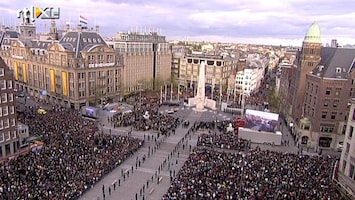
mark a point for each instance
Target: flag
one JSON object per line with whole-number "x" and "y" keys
{"x": 83, "y": 20}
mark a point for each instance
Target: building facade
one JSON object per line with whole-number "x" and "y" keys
{"x": 218, "y": 70}
{"x": 75, "y": 70}
{"x": 146, "y": 60}
{"x": 249, "y": 80}
{"x": 345, "y": 174}
{"x": 9, "y": 139}
{"x": 315, "y": 92}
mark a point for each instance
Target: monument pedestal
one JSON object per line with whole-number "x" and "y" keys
{"x": 200, "y": 100}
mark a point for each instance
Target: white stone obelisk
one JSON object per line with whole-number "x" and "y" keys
{"x": 200, "y": 96}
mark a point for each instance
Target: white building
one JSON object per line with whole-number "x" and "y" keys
{"x": 345, "y": 178}
{"x": 249, "y": 80}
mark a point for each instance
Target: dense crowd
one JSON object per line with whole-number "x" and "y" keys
{"x": 228, "y": 140}
{"x": 146, "y": 116}
{"x": 73, "y": 157}
{"x": 255, "y": 174}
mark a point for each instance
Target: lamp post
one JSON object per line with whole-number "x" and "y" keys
{"x": 140, "y": 92}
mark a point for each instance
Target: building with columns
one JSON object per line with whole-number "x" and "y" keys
{"x": 315, "y": 92}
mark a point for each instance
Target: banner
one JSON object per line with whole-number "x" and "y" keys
{"x": 24, "y": 72}
{"x": 65, "y": 83}
{"x": 52, "y": 77}
{"x": 16, "y": 70}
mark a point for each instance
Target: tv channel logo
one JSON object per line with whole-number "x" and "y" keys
{"x": 31, "y": 14}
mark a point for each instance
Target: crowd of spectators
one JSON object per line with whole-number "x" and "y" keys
{"x": 146, "y": 116}
{"x": 255, "y": 174}
{"x": 74, "y": 156}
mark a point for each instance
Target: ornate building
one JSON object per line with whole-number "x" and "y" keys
{"x": 315, "y": 92}
{"x": 76, "y": 69}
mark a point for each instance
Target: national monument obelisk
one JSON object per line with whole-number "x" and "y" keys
{"x": 200, "y": 97}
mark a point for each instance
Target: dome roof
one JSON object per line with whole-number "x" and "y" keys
{"x": 313, "y": 34}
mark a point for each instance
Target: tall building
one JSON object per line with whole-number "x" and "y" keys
{"x": 9, "y": 140}
{"x": 74, "y": 70}
{"x": 315, "y": 92}
{"x": 146, "y": 60}
{"x": 345, "y": 173}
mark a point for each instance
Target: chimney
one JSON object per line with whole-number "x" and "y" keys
{"x": 97, "y": 28}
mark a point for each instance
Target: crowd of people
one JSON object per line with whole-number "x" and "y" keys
{"x": 228, "y": 140}
{"x": 255, "y": 174}
{"x": 72, "y": 157}
{"x": 146, "y": 116}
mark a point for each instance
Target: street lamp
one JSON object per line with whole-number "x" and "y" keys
{"x": 140, "y": 92}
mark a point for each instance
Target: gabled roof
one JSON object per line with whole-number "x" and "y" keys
{"x": 6, "y": 35}
{"x": 335, "y": 63}
{"x": 78, "y": 41}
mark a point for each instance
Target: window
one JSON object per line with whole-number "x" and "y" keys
{"x": 9, "y": 84}
{"x": 1, "y": 137}
{"x": 6, "y": 123}
{"x": 12, "y": 110}
{"x": 328, "y": 90}
{"x": 347, "y": 148}
{"x": 333, "y": 116}
{"x": 1, "y": 124}
{"x": 5, "y": 111}
{"x": 7, "y": 136}
{"x": 351, "y": 171}
{"x": 2, "y": 72}
{"x": 324, "y": 114}
{"x": 14, "y": 135}
{"x": 344, "y": 165}
{"x": 13, "y": 122}
{"x": 11, "y": 97}
{"x": 4, "y": 97}
{"x": 336, "y": 103}
{"x": 351, "y": 129}
{"x": 3, "y": 84}
{"x": 326, "y": 102}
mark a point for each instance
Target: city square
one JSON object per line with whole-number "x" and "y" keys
{"x": 233, "y": 100}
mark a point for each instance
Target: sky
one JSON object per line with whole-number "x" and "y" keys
{"x": 276, "y": 22}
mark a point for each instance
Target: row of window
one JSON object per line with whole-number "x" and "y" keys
{"x": 6, "y": 97}
{"x": 4, "y": 111}
{"x": 6, "y": 123}
{"x": 7, "y": 136}
{"x": 332, "y": 116}
{"x": 3, "y": 84}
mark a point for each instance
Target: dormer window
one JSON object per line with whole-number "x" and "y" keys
{"x": 338, "y": 70}
{"x": 84, "y": 39}
{"x": 94, "y": 40}
{"x": 89, "y": 40}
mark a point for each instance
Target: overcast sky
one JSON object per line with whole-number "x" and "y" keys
{"x": 240, "y": 21}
